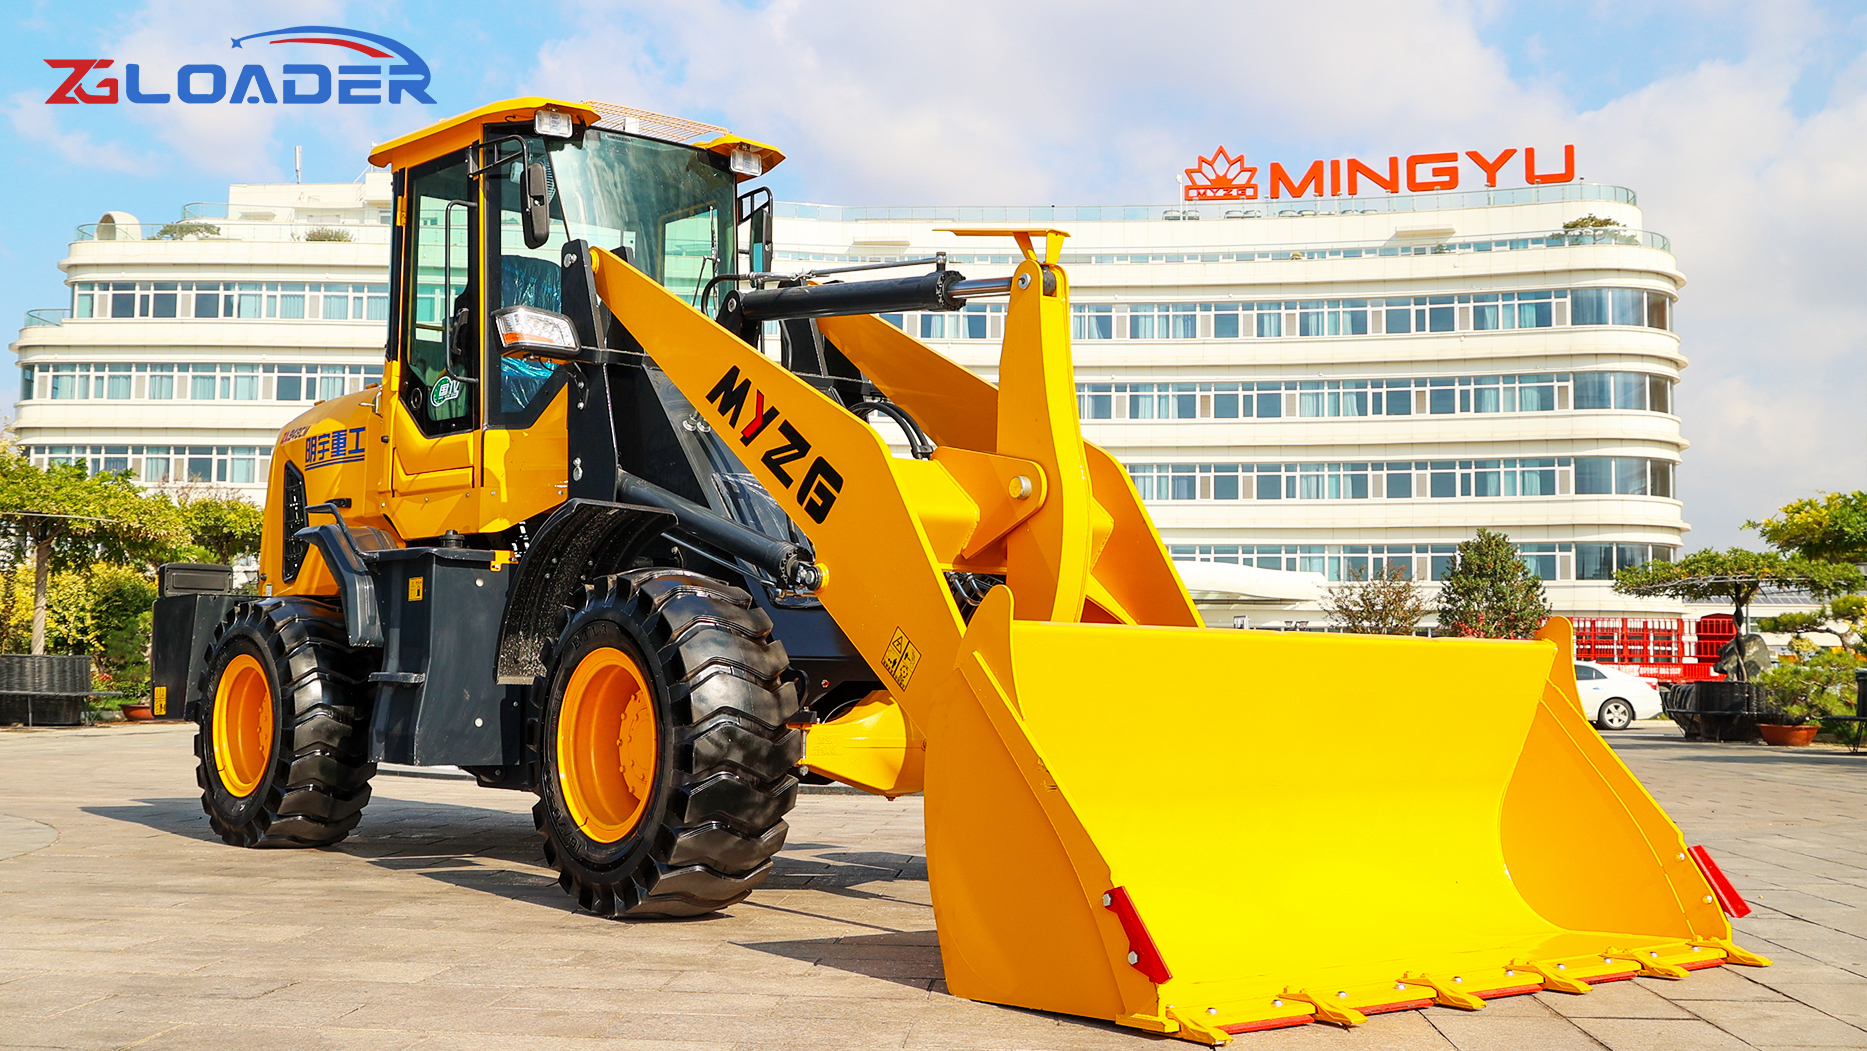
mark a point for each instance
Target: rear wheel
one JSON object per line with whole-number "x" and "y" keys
{"x": 1615, "y": 714}
{"x": 668, "y": 767}
{"x": 282, "y": 727}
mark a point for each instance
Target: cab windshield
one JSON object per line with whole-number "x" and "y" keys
{"x": 671, "y": 206}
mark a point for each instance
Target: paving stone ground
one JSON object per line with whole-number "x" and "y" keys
{"x": 124, "y": 923}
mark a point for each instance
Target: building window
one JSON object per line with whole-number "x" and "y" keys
{"x": 162, "y": 464}
{"x": 199, "y": 381}
{"x": 1533, "y": 392}
{"x": 1386, "y": 480}
{"x": 1623, "y": 476}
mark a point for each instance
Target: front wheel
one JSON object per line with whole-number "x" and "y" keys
{"x": 1615, "y": 714}
{"x": 668, "y": 767}
{"x": 282, "y": 749}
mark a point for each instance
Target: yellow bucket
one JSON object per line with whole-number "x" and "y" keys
{"x": 1171, "y": 844}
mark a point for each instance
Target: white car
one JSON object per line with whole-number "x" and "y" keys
{"x": 1613, "y": 699}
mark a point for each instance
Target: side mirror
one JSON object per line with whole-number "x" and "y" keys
{"x": 536, "y": 208}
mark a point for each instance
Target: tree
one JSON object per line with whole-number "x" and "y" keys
{"x": 1389, "y": 604}
{"x": 1737, "y": 576}
{"x": 66, "y": 517}
{"x": 1844, "y": 617}
{"x": 1490, "y": 593}
{"x": 1589, "y": 222}
{"x": 226, "y": 525}
{"x": 1832, "y": 529}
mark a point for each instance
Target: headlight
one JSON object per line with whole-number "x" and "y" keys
{"x": 552, "y": 123}
{"x": 533, "y": 330}
{"x": 746, "y": 162}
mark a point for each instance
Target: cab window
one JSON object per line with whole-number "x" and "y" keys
{"x": 438, "y": 388}
{"x": 521, "y": 386}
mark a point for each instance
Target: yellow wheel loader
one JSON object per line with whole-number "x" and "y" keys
{"x": 589, "y": 541}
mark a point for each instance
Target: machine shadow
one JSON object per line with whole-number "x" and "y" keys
{"x": 910, "y": 958}
{"x": 497, "y": 852}
{"x": 177, "y": 815}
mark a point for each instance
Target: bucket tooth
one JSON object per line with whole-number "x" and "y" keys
{"x": 1330, "y": 1007}
{"x": 1732, "y": 954}
{"x": 1194, "y": 1027}
{"x": 1447, "y": 992}
{"x": 1555, "y": 975}
{"x": 1650, "y": 963}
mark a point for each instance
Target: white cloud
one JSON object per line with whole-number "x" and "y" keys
{"x": 1766, "y": 216}
{"x": 988, "y": 102}
{"x": 35, "y": 122}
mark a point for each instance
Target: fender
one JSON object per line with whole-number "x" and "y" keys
{"x": 581, "y": 540}
{"x": 348, "y": 552}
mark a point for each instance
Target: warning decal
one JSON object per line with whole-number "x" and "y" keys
{"x": 901, "y": 658}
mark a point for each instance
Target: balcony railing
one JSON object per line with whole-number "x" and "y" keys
{"x": 46, "y": 317}
{"x": 1258, "y": 209}
{"x": 188, "y": 230}
{"x": 1506, "y": 242}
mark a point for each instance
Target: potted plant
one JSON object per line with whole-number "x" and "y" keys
{"x": 1817, "y": 683}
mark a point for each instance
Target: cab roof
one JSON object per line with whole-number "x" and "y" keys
{"x": 458, "y": 132}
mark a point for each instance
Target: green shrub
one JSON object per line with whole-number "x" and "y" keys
{"x": 1803, "y": 691}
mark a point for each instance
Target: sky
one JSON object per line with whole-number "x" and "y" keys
{"x": 1741, "y": 125}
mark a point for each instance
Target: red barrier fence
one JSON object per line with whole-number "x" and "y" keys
{"x": 1665, "y": 648}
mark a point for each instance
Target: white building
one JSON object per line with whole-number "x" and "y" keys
{"x": 1330, "y": 386}
{"x": 1327, "y": 389}
{"x": 188, "y": 344}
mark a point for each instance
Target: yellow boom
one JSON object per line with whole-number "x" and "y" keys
{"x": 1116, "y": 824}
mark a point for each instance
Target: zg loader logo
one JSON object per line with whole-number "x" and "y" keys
{"x": 817, "y": 493}
{"x": 298, "y": 83}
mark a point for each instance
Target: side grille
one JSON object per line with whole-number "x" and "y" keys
{"x": 295, "y": 519}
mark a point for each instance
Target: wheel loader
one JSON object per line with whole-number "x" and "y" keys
{"x": 621, "y": 528}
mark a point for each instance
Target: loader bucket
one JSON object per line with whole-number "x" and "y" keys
{"x": 1449, "y": 842}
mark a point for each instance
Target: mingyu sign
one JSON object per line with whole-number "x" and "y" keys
{"x": 379, "y": 70}
{"x": 1225, "y": 177}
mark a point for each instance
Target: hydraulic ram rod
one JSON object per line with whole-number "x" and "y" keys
{"x": 790, "y": 565}
{"x": 940, "y": 290}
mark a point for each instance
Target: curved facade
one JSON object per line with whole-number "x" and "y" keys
{"x": 1332, "y": 391}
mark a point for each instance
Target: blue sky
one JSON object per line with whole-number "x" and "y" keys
{"x": 1743, "y": 127}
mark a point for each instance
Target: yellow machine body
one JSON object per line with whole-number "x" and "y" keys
{"x": 1117, "y": 824}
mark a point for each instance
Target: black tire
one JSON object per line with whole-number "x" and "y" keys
{"x": 316, "y": 776}
{"x": 1615, "y": 714}
{"x": 722, "y": 691}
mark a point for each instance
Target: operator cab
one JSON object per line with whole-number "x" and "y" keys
{"x": 486, "y": 205}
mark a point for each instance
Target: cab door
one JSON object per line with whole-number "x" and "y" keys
{"x": 434, "y": 421}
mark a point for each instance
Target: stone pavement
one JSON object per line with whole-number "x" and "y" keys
{"x": 123, "y": 923}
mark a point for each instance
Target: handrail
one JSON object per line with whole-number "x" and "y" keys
{"x": 46, "y": 317}
{"x": 1239, "y": 253}
{"x": 193, "y": 229}
{"x": 1265, "y": 208}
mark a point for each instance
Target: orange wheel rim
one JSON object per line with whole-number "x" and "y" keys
{"x": 607, "y": 744}
{"x": 242, "y": 725}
